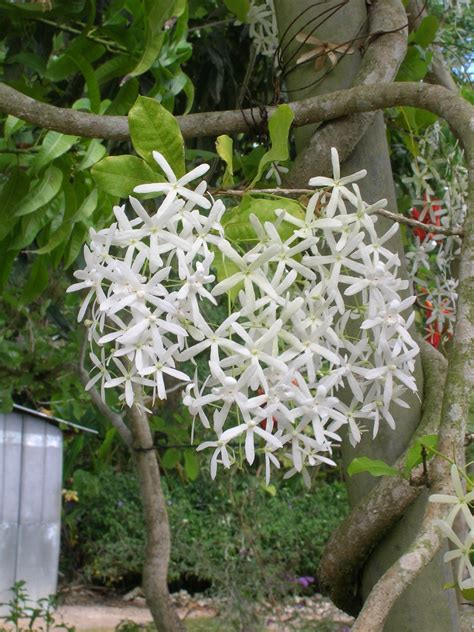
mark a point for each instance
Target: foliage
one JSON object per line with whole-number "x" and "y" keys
{"x": 234, "y": 535}
{"x": 38, "y": 615}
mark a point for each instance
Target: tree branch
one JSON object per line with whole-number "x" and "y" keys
{"x": 352, "y": 542}
{"x": 115, "y": 419}
{"x": 455, "y": 110}
{"x": 157, "y": 529}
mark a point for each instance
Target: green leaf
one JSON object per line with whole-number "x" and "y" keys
{"x": 279, "y": 126}
{"x": 119, "y": 175}
{"x": 468, "y": 594}
{"x": 191, "y": 464}
{"x": 124, "y": 99}
{"x": 155, "y": 15}
{"x": 170, "y": 458}
{"x": 87, "y": 207}
{"x": 414, "y": 454}
{"x": 62, "y": 66}
{"x": 152, "y": 127}
{"x": 76, "y": 240}
{"x": 93, "y": 90}
{"x": 425, "y": 34}
{"x": 95, "y": 152}
{"x": 43, "y": 191}
{"x": 372, "y": 466}
{"x": 237, "y": 224}
{"x": 9, "y": 194}
{"x": 224, "y": 147}
{"x": 12, "y": 125}
{"x": 59, "y": 237}
{"x": 414, "y": 67}
{"x": 239, "y": 8}
{"x": 54, "y": 145}
{"x": 37, "y": 281}
{"x": 225, "y": 268}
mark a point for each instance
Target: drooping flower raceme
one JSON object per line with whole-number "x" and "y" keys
{"x": 315, "y": 308}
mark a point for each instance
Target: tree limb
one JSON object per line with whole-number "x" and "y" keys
{"x": 455, "y": 110}
{"x": 115, "y": 419}
{"x": 352, "y": 542}
{"x": 455, "y": 409}
{"x": 157, "y": 529}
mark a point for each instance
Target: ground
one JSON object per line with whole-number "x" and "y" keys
{"x": 90, "y": 612}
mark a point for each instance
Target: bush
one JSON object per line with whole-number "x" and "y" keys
{"x": 233, "y": 534}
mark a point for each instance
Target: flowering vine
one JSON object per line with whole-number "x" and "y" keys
{"x": 315, "y": 307}
{"x": 438, "y": 188}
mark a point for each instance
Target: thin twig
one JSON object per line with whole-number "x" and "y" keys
{"x": 395, "y": 217}
{"x": 115, "y": 418}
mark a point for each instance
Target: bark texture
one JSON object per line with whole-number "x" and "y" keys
{"x": 326, "y": 107}
{"x": 158, "y": 539}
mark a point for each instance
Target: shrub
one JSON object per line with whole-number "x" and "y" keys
{"x": 233, "y": 534}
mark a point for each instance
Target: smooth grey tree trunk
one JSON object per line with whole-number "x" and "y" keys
{"x": 426, "y": 606}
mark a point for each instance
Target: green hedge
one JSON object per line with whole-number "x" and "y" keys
{"x": 230, "y": 533}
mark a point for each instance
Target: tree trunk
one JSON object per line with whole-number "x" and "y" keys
{"x": 158, "y": 540}
{"x": 426, "y": 605}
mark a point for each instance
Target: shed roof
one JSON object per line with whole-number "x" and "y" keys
{"x": 51, "y": 419}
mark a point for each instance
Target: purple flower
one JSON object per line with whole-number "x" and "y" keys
{"x": 305, "y": 581}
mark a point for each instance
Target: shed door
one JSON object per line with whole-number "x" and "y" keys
{"x": 30, "y": 504}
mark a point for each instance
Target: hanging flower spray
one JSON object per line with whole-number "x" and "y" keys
{"x": 315, "y": 307}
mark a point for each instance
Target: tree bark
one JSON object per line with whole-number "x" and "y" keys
{"x": 371, "y": 153}
{"x": 158, "y": 539}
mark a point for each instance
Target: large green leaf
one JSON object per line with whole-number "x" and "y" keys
{"x": 152, "y": 127}
{"x": 42, "y": 192}
{"x": 119, "y": 175}
{"x": 279, "y": 126}
{"x": 155, "y": 15}
{"x": 372, "y": 466}
{"x": 236, "y": 221}
{"x": 54, "y": 145}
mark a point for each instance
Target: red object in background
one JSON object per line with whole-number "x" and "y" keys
{"x": 429, "y": 214}
{"x": 434, "y": 335}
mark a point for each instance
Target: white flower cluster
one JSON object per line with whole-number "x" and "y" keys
{"x": 462, "y": 551}
{"x": 290, "y": 344}
{"x": 263, "y": 28}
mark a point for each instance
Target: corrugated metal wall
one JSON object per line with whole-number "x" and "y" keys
{"x": 30, "y": 504}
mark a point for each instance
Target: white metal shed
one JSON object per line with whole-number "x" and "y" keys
{"x": 30, "y": 501}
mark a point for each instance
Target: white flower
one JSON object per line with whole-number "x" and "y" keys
{"x": 175, "y": 186}
{"x": 460, "y": 500}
